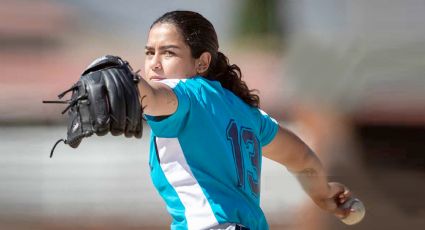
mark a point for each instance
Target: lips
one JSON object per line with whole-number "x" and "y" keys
{"x": 156, "y": 78}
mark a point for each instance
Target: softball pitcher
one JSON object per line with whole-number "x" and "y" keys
{"x": 208, "y": 132}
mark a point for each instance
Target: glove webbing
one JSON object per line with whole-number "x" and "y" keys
{"x": 77, "y": 124}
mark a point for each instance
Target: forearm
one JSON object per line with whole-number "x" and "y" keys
{"x": 289, "y": 150}
{"x": 312, "y": 176}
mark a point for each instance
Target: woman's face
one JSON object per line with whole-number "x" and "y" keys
{"x": 167, "y": 55}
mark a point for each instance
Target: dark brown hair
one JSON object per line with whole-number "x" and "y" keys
{"x": 199, "y": 34}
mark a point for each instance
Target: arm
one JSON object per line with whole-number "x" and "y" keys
{"x": 157, "y": 99}
{"x": 290, "y": 151}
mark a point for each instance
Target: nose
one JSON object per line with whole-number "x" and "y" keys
{"x": 155, "y": 63}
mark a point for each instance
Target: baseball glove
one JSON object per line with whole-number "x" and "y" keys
{"x": 105, "y": 99}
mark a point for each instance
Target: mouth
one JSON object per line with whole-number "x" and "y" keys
{"x": 156, "y": 78}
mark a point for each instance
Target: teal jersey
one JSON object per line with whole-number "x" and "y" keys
{"x": 205, "y": 158}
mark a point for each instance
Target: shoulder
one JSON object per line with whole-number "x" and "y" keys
{"x": 195, "y": 86}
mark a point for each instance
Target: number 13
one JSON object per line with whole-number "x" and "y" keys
{"x": 248, "y": 139}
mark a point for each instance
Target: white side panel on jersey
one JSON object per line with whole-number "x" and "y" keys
{"x": 172, "y": 82}
{"x": 198, "y": 212}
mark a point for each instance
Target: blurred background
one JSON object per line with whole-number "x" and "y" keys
{"x": 348, "y": 76}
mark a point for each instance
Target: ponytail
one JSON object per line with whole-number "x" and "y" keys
{"x": 230, "y": 77}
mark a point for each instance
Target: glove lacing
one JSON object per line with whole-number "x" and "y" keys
{"x": 70, "y": 103}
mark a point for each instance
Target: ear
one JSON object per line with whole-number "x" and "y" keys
{"x": 203, "y": 63}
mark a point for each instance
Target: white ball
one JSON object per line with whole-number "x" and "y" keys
{"x": 357, "y": 214}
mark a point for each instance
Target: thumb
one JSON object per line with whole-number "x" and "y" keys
{"x": 336, "y": 189}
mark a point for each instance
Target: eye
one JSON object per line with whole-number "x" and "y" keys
{"x": 149, "y": 53}
{"x": 168, "y": 53}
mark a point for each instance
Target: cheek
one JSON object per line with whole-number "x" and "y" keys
{"x": 146, "y": 68}
{"x": 190, "y": 69}
{"x": 178, "y": 68}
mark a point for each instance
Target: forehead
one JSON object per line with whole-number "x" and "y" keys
{"x": 164, "y": 33}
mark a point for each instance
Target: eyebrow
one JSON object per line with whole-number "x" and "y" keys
{"x": 163, "y": 47}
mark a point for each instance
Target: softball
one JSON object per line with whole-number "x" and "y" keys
{"x": 358, "y": 211}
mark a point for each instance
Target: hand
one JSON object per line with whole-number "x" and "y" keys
{"x": 338, "y": 194}
{"x": 105, "y": 99}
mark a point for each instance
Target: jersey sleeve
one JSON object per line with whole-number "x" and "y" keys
{"x": 268, "y": 129}
{"x": 170, "y": 126}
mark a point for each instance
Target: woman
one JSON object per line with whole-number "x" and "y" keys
{"x": 208, "y": 133}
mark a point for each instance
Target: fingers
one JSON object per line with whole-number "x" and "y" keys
{"x": 345, "y": 209}
{"x": 132, "y": 102}
{"x": 344, "y": 196}
{"x": 113, "y": 97}
{"x": 117, "y": 103}
{"x": 342, "y": 213}
{"x": 126, "y": 111}
{"x": 336, "y": 189}
{"x": 99, "y": 108}
{"x": 340, "y": 196}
